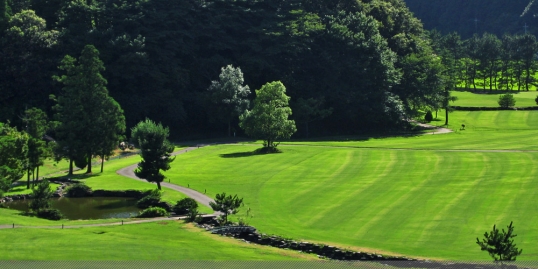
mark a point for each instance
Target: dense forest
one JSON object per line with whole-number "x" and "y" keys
{"x": 466, "y": 17}
{"x": 369, "y": 62}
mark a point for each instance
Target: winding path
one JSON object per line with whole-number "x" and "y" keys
{"x": 199, "y": 197}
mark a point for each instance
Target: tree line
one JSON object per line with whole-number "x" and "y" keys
{"x": 368, "y": 62}
{"x": 489, "y": 62}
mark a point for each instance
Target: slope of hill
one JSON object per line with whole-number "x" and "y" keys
{"x": 467, "y": 17}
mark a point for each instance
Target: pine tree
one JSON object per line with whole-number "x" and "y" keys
{"x": 86, "y": 113}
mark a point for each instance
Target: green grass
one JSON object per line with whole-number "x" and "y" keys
{"x": 167, "y": 240}
{"x": 470, "y": 99}
{"x": 425, "y": 196}
{"x": 108, "y": 180}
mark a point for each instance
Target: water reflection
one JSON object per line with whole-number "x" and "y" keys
{"x": 88, "y": 207}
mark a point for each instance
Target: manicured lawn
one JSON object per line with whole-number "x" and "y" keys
{"x": 427, "y": 196}
{"x": 166, "y": 240}
{"x": 470, "y": 99}
{"x": 484, "y": 130}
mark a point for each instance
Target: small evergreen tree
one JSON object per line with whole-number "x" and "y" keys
{"x": 228, "y": 205}
{"x": 155, "y": 150}
{"x": 500, "y": 245}
{"x": 41, "y": 196}
{"x": 507, "y": 100}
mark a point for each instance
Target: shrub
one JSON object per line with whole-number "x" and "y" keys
{"x": 152, "y": 198}
{"x": 50, "y": 214}
{"x": 192, "y": 215}
{"x": 428, "y": 117}
{"x": 5, "y": 185}
{"x": 153, "y": 212}
{"x": 79, "y": 190}
{"x": 41, "y": 196}
{"x": 536, "y": 99}
{"x": 184, "y": 206}
{"x": 507, "y": 100}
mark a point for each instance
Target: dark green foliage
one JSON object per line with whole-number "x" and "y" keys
{"x": 50, "y": 214}
{"x": 152, "y": 198}
{"x": 5, "y": 185}
{"x": 507, "y": 100}
{"x": 160, "y": 56}
{"x": 499, "y": 244}
{"x": 155, "y": 150}
{"x": 153, "y": 212}
{"x": 90, "y": 122}
{"x": 37, "y": 126}
{"x": 494, "y": 16}
{"x": 428, "y": 117}
{"x": 536, "y": 99}
{"x": 184, "y": 206}
{"x": 79, "y": 190}
{"x": 192, "y": 215}
{"x": 41, "y": 195}
{"x": 228, "y": 205}
{"x": 13, "y": 148}
{"x": 80, "y": 161}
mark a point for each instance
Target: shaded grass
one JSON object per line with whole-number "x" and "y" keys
{"x": 167, "y": 240}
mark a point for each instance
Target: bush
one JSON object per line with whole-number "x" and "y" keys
{"x": 79, "y": 190}
{"x": 428, "y": 117}
{"x": 507, "y": 100}
{"x": 192, "y": 215}
{"x": 152, "y": 198}
{"x": 536, "y": 99}
{"x": 153, "y": 212}
{"x": 5, "y": 185}
{"x": 50, "y": 214}
{"x": 185, "y": 206}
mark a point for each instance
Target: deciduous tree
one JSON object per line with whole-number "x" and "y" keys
{"x": 13, "y": 148}
{"x": 268, "y": 119}
{"x": 229, "y": 94}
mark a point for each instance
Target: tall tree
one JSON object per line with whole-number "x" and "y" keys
{"x": 268, "y": 119}
{"x": 36, "y": 127}
{"x": 229, "y": 94}
{"x": 14, "y": 147}
{"x": 26, "y": 64}
{"x": 5, "y": 12}
{"x": 112, "y": 129}
{"x": 84, "y": 108}
{"x": 311, "y": 109}
{"x": 155, "y": 150}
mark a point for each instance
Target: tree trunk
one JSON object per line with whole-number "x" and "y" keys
{"x": 306, "y": 125}
{"x": 28, "y": 178}
{"x": 89, "y": 170}
{"x": 159, "y": 185}
{"x": 229, "y": 128}
{"x": 70, "y": 167}
{"x": 102, "y": 163}
{"x": 37, "y": 173}
{"x": 446, "y": 116}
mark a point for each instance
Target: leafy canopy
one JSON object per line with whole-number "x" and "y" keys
{"x": 268, "y": 120}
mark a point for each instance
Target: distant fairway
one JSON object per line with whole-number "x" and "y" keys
{"x": 425, "y": 196}
{"x": 523, "y": 98}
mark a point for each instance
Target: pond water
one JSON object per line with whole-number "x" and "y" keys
{"x": 87, "y": 207}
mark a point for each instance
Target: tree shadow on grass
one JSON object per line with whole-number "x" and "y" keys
{"x": 260, "y": 151}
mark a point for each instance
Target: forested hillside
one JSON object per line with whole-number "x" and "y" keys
{"x": 477, "y": 16}
{"x": 367, "y": 61}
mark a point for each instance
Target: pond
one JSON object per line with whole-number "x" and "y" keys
{"x": 87, "y": 207}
